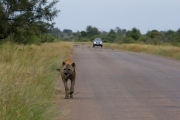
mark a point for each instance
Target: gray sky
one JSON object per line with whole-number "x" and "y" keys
{"x": 108, "y": 14}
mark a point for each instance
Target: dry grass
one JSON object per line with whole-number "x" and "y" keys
{"x": 83, "y": 43}
{"x": 28, "y": 80}
{"x": 163, "y": 50}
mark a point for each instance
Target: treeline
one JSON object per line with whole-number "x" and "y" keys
{"x": 65, "y": 34}
{"x": 27, "y": 21}
{"x": 31, "y": 22}
{"x": 119, "y": 35}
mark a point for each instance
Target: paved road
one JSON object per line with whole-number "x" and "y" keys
{"x": 117, "y": 85}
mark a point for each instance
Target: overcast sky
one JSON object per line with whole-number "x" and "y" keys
{"x": 108, "y": 14}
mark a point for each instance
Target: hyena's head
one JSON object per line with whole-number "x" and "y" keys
{"x": 67, "y": 69}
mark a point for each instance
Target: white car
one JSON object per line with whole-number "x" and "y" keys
{"x": 97, "y": 42}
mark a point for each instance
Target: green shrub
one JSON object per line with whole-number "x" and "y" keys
{"x": 129, "y": 40}
{"x": 48, "y": 38}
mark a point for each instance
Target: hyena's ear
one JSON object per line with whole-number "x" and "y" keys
{"x": 73, "y": 64}
{"x": 63, "y": 63}
{"x": 58, "y": 70}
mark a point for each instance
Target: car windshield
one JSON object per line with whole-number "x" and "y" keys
{"x": 97, "y": 40}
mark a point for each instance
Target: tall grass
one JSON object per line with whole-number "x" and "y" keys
{"x": 28, "y": 80}
{"x": 162, "y": 50}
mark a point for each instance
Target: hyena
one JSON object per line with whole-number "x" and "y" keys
{"x": 67, "y": 72}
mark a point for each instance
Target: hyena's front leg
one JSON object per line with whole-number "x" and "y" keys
{"x": 72, "y": 88}
{"x": 66, "y": 89}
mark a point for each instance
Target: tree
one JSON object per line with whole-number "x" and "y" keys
{"x": 4, "y": 25}
{"x": 178, "y": 32}
{"x": 26, "y": 15}
{"x": 92, "y": 31}
{"x": 134, "y": 33}
{"x": 118, "y": 30}
{"x": 55, "y": 31}
{"x": 178, "y": 36}
{"x": 83, "y": 34}
{"x": 124, "y": 31}
{"x": 111, "y": 35}
{"x": 154, "y": 34}
{"x": 155, "y": 37}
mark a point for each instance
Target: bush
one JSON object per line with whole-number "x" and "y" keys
{"x": 143, "y": 39}
{"x": 48, "y": 38}
{"x": 129, "y": 40}
{"x": 22, "y": 36}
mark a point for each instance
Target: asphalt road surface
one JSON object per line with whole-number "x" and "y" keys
{"x": 118, "y": 85}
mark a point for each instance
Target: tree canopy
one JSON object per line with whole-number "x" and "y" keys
{"x": 26, "y": 15}
{"x": 153, "y": 34}
{"x": 91, "y": 31}
{"x": 134, "y": 33}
